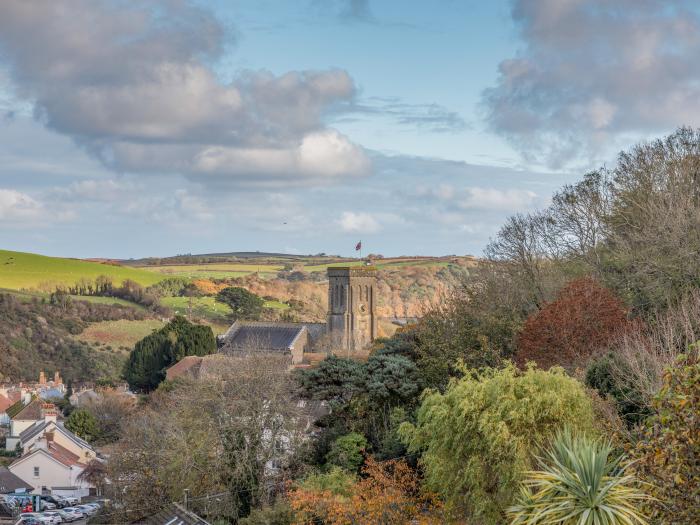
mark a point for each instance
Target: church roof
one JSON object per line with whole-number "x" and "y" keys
{"x": 251, "y": 335}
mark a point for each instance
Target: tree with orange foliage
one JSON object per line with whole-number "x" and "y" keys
{"x": 568, "y": 331}
{"x": 389, "y": 493}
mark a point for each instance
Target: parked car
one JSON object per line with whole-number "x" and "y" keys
{"x": 79, "y": 514}
{"x": 66, "y": 516}
{"x": 89, "y": 510}
{"x": 54, "y": 515}
{"x": 72, "y": 500}
{"x": 30, "y": 520}
{"x": 59, "y": 502}
{"x": 46, "y": 520}
{"x": 47, "y": 505}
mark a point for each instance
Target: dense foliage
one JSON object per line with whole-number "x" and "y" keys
{"x": 668, "y": 455}
{"x": 579, "y": 483}
{"x": 363, "y": 398}
{"x": 83, "y": 424}
{"x": 35, "y": 331}
{"x": 151, "y": 356}
{"x": 244, "y": 304}
{"x": 582, "y": 319}
{"x": 388, "y": 493}
{"x": 478, "y": 437}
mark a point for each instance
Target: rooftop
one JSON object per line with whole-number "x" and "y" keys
{"x": 262, "y": 335}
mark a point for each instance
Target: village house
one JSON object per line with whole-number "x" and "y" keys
{"x": 52, "y": 457}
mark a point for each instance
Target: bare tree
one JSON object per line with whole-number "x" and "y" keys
{"x": 646, "y": 352}
{"x": 232, "y": 435}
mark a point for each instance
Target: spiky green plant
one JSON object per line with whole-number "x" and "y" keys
{"x": 579, "y": 484}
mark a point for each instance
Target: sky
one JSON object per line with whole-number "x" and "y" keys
{"x": 133, "y": 128}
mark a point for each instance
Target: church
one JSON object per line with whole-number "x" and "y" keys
{"x": 351, "y": 325}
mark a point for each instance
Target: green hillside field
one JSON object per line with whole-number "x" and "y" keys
{"x": 26, "y": 271}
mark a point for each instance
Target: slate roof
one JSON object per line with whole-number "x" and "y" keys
{"x": 10, "y": 483}
{"x": 40, "y": 426}
{"x": 173, "y": 514}
{"x": 249, "y": 335}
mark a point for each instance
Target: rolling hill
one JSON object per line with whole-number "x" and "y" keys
{"x": 19, "y": 270}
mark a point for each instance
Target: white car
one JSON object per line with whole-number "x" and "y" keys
{"x": 66, "y": 516}
{"x": 75, "y": 511}
{"x": 87, "y": 509}
{"x": 47, "y": 505}
{"x": 55, "y": 516}
{"x": 71, "y": 500}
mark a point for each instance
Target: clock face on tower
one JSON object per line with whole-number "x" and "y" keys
{"x": 362, "y": 308}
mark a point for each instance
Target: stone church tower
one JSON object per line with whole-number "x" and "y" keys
{"x": 352, "y": 307}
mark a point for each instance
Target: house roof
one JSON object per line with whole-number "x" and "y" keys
{"x": 42, "y": 426}
{"x": 5, "y": 403}
{"x": 11, "y": 483}
{"x": 29, "y": 433}
{"x": 15, "y": 409}
{"x": 63, "y": 455}
{"x": 56, "y": 453}
{"x": 187, "y": 364}
{"x": 249, "y": 335}
{"x": 173, "y": 514}
{"x": 30, "y": 412}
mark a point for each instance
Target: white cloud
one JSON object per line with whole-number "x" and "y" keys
{"x": 511, "y": 200}
{"x": 17, "y": 206}
{"x": 362, "y": 222}
{"x": 592, "y": 74}
{"x": 132, "y": 83}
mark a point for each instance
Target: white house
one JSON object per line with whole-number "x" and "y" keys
{"x": 52, "y": 468}
{"x": 33, "y": 411}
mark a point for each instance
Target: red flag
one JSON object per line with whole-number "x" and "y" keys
{"x": 358, "y": 247}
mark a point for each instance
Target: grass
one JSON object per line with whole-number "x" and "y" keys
{"x": 20, "y": 270}
{"x": 215, "y": 270}
{"x": 117, "y": 334}
{"x": 205, "y": 307}
{"x": 277, "y": 305}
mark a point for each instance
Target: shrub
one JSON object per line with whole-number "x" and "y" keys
{"x": 602, "y": 374}
{"x": 278, "y": 514}
{"x": 348, "y": 452}
{"x": 579, "y": 482}
{"x": 244, "y": 304}
{"x": 83, "y": 424}
{"x": 668, "y": 456}
{"x": 478, "y": 437}
{"x": 568, "y": 331}
{"x": 388, "y": 493}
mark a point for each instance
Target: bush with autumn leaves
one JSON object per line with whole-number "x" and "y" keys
{"x": 388, "y": 492}
{"x": 583, "y": 318}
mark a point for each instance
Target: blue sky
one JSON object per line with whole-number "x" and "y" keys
{"x": 131, "y": 129}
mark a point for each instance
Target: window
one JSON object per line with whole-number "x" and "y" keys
{"x": 36, "y": 472}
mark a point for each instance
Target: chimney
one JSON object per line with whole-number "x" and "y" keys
{"x": 49, "y": 412}
{"x": 57, "y": 378}
{"x": 42, "y": 378}
{"x": 48, "y": 436}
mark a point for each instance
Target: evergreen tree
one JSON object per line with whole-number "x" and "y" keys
{"x": 153, "y": 354}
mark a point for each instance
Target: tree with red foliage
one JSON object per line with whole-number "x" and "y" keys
{"x": 568, "y": 331}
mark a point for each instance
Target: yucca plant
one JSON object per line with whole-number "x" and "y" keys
{"x": 579, "y": 484}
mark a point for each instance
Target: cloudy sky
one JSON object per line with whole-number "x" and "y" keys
{"x": 131, "y": 128}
